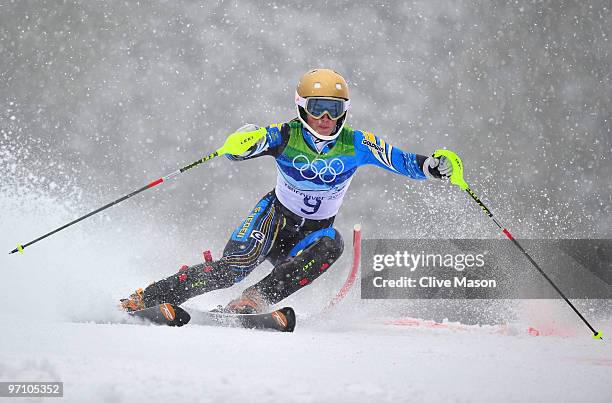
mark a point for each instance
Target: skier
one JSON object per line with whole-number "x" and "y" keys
{"x": 316, "y": 156}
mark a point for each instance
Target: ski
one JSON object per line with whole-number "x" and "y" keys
{"x": 282, "y": 320}
{"x": 163, "y": 314}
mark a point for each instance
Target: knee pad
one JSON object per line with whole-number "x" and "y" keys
{"x": 330, "y": 238}
{"x": 320, "y": 250}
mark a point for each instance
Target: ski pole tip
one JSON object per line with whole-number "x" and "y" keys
{"x": 19, "y": 249}
{"x": 598, "y": 336}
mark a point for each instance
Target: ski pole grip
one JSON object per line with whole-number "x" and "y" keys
{"x": 240, "y": 142}
{"x": 457, "y": 174}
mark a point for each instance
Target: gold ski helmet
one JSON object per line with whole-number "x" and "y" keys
{"x": 322, "y": 91}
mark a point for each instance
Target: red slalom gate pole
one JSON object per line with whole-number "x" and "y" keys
{"x": 350, "y": 280}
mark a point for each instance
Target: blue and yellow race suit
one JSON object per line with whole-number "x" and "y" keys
{"x": 292, "y": 225}
{"x": 313, "y": 178}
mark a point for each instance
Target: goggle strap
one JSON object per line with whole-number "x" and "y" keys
{"x": 300, "y": 101}
{"x": 303, "y": 101}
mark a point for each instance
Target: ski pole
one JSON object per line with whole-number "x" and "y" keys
{"x": 236, "y": 143}
{"x": 457, "y": 179}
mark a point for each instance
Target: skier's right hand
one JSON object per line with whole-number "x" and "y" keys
{"x": 250, "y": 127}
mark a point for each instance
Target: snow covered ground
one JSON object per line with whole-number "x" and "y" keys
{"x": 100, "y": 97}
{"x": 58, "y": 323}
{"x": 320, "y": 362}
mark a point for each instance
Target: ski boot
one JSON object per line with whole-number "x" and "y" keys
{"x": 134, "y": 302}
{"x": 159, "y": 292}
{"x": 154, "y": 294}
{"x": 251, "y": 301}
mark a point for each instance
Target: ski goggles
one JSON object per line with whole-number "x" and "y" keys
{"x": 318, "y": 106}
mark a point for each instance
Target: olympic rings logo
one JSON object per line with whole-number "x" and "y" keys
{"x": 326, "y": 171}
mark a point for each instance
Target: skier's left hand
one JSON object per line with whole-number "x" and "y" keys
{"x": 439, "y": 168}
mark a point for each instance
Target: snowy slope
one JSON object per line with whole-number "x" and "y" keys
{"x": 52, "y": 295}
{"x": 317, "y": 363}
{"x": 99, "y": 98}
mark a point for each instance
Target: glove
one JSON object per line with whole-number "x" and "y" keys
{"x": 439, "y": 168}
{"x": 249, "y": 127}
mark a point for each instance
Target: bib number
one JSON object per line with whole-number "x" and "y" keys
{"x": 312, "y": 204}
